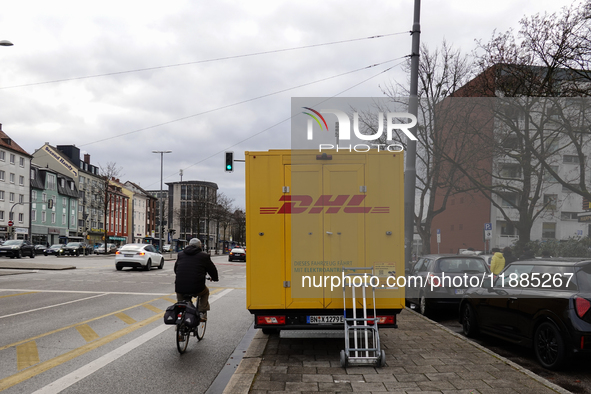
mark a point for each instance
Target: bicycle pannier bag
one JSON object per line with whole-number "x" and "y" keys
{"x": 170, "y": 315}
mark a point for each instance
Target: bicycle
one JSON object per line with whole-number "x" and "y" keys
{"x": 184, "y": 330}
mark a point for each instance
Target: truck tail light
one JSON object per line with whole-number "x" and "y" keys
{"x": 270, "y": 320}
{"x": 582, "y": 306}
{"x": 385, "y": 319}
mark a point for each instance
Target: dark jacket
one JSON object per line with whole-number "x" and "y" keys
{"x": 191, "y": 266}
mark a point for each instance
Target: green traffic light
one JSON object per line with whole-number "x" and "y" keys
{"x": 228, "y": 167}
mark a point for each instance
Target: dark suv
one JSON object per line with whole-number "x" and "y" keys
{"x": 75, "y": 249}
{"x": 544, "y": 304}
{"x": 17, "y": 248}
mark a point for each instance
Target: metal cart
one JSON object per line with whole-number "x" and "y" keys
{"x": 362, "y": 339}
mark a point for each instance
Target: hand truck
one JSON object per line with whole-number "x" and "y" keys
{"x": 362, "y": 339}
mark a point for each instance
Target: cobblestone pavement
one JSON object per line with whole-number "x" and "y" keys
{"x": 421, "y": 357}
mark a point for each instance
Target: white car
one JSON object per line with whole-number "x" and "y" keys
{"x": 138, "y": 256}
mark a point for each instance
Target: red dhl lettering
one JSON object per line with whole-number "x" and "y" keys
{"x": 293, "y": 204}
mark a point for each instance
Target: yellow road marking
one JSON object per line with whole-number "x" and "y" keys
{"x": 87, "y": 333}
{"x": 77, "y": 324}
{"x": 152, "y": 308}
{"x": 169, "y": 299}
{"x": 20, "y": 377}
{"x": 26, "y": 355}
{"x": 125, "y": 318}
{"x": 18, "y": 294}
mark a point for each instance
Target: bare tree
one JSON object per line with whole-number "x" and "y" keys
{"x": 221, "y": 213}
{"x": 105, "y": 193}
{"x": 441, "y": 72}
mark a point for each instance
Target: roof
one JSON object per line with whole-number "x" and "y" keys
{"x": 8, "y": 143}
{"x": 557, "y": 261}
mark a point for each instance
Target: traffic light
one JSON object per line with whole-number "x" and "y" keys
{"x": 229, "y": 161}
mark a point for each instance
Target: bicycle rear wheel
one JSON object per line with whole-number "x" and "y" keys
{"x": 200, "y": 330}
{"x": 182, "y": 337}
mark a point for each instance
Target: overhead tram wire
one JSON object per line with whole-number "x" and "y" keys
{"x": 240, "y": 102}
{"x": 289, "y": 118}
{"x": 201, "y": 61}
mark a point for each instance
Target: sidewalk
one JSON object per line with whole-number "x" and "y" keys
{"x": 421, "y": 357}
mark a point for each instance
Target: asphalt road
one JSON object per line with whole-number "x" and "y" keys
{"x": 94, "y": 329}
{"x": 575, "y": 377}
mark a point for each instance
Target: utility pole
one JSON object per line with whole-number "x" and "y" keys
{"x": 410, "y": 174}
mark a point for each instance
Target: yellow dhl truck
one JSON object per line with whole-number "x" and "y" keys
{"x": 310, "y": 217}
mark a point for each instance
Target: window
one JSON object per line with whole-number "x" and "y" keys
{"x": 1, "y": 195}
{"x": 11, "y": 197}
{"x": 44, "y": 197}
{"x": 570, "y": 159}
{"x": 12, "y": 177}
{"x": 509, "y": 199}
{"x": 21, "y": 217}
{"x": 21, "y": 198}
{"x": 507, "y": 229}
{"x": 43, "y": 216}
{"x": 567, "y": 190}
{"x": 21, "y": 161}
{"x": 34, "y": 195}
{"x": 33, "y": 215}
{"x": 32, "y": 173}
{"x": 64, "y": 202}
{"x": 53, "y": 217}
{"x": 510, "y": 170}
{"x": 549, "y": 230}
{"x": 12, "y": 158}
{"x": 2, "y": 155}
{"x": 1, "y": 215}
{"x": 548, "y": 177}
{"x": 569, "y": 216}
{"x": 72, "y": 219}
{"x": 21, "y": 180}
{"x": 2, "y": 176}
{"x": 550, "y": 201}
{"x": 50, "y": 181}
{"x": 64, "y": 218}
{"x": 62, "y": 182}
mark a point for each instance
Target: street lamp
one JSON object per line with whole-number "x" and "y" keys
{"x": 162, "y": 152}
{"x": 6, "y": 43}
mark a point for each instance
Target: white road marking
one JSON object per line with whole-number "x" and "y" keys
{"x": 52, "y": 306}
{"x": 89, "y": 292}
{"x": 90, "y": 368}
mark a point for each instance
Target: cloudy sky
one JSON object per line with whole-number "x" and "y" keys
{"x": 122, "y": 78}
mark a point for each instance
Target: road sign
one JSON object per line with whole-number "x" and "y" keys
{"x": 487, "y": 234}
{"x": 438, "y": 236}
{"x": 10, "y": 223}
{"x": 488, "y": 226}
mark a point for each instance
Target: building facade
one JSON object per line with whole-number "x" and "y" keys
{"x": 15, "y": 167}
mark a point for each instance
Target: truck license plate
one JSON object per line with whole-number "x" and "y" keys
{"x": 326, "y": 319}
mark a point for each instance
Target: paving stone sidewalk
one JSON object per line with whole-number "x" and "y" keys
{"x": 421, "y": 357}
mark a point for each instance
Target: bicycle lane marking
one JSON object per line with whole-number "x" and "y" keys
{"x": 53, "y": 306}
{"x": 68, "y": 380}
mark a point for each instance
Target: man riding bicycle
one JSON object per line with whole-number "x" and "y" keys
{"x": 191, "y": 267}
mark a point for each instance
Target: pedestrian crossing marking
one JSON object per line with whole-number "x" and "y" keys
{"x": 125, "y": 318}
{"x": 26, "y": 355}
{"x": 152, "y": 308}
{"x": 87, "y": 332}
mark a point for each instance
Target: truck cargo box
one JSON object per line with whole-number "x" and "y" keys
{"x": 308, "y": 216}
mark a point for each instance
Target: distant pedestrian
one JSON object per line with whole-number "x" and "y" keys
{"x": 498, "y": 261}
{"x": 508, "y": 255}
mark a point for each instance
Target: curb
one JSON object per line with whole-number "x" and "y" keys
{"x": 518, "y": 367}
{"x": 242, "y": 379}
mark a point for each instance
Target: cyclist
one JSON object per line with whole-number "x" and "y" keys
{"x": 191, "y": 267}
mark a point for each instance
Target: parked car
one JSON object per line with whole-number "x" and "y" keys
{"x": 237, "y": 254}
{"x": 100, "y": 249}
{"x": 40, "y": 248}
{"x": 547, "y": 307}
{"x": 138, "y": 256}
{"x": 17, "y": 248}
{"x": 167, "y": 247}
{"x": 54, "y": 249}
{"x": 75, "y": 249}
{"x": 441, "y": 280}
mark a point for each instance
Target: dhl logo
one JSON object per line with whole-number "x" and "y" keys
{"x": 302, "y": 203}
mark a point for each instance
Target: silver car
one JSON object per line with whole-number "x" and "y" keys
{"x": 138, "y": 256}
